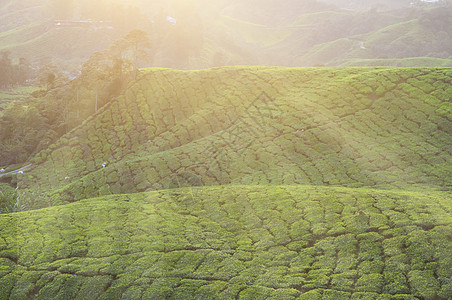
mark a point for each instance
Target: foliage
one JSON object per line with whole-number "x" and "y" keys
{"x": 33, "y": 124}
{"x": 10, "y": 200}
{"x": 49, "y": 76}
{"x": 129, "y": 50}
{"x": 313, "y": 127}
{"x": 377, "y": 127}
{"x": 247, "y": 242}
{"x": 13, "y": 74}
{"x": 23, "y": 131}
{"x": 20, "y": 94}
{"x": 412, "y": 62}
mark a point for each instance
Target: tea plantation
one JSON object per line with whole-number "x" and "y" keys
{"x": 229, "y": 242}
{"x": 356, "y": 127}
{"x": 244, "y": 183}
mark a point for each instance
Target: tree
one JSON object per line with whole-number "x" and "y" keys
{"x": 30, "y": 126}
{"x": 23, "y": 71}
{"x": 22, "y": 128}
{"x": 6, "y": 69}
{"x": 130, "y": 50}
{"x": 48, "y": 75}
{"x": 12, "y": 74}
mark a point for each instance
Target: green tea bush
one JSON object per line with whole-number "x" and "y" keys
{"x": 372, "y": 127}
{"x": 332, "y": 135}
{"x": 230, "y": 241}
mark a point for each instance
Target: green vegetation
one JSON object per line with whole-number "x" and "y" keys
{"x": 234, "y": 182}
{"x": 23, "y": 131}
{"x": 402, "y": 62}
{"x": 13, "y": 74}
{"x": 251, "y": 242}
{"x": 396, "y": 44}
{"x": 15, "y": 94}
{"x": 27, "y": 29}
{"x": 11, "y": 200}
{"x": 270, "y": 183}
{"x": 351, "y": 127}
{"x": 34, "y": 122}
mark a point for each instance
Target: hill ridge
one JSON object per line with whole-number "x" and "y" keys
{"x": 337, "y": 126}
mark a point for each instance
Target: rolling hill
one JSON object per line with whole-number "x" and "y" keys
{"x": 397, "y": 42}
{"x": 232, "y": 242}
{"x": 32, "y": 41}
{"x": 357, "y": 127}
{"x": 237, "y": 182}
{"x": 244, "y": 183}
{"x": 404, "y": 62}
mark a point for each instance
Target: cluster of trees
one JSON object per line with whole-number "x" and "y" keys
{"x": 32, "y": 125}
{"x": 105, "y": 75}
{"x": 23, "y": 130}
{"x": 13, "y": 74}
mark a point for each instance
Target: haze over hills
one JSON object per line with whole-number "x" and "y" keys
{"x": 298, "y": 33}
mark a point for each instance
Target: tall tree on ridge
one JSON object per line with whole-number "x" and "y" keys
{"x": 128, "y": 51}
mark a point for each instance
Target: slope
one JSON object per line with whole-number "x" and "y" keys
{"x": 412, "y": 62}
{"x": 231, "y": 33}
{"x": 357, "y": 127}
{"x": 230, "y": 242}
{"x": 32, "y": 41}
{"x": 20, "y": 13}
{"x": 418, "y": 37}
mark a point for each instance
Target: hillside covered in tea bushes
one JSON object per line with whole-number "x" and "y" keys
{"x": 233, "y": 242}
{"x": 243, "y": 183}
{"x": 356, "y": 127}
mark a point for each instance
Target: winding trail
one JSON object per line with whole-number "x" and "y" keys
{"x": 16, "y": 171}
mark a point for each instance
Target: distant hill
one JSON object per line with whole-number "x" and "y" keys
{"x": 357, "y": 127}
{"x": 15, "y": 14}
{"x": 402, "y": 62}
{"x": 42, "y": 42}
{"x": 28, "y": 29}
{"x": 299, "y": 33}
{"x": 414, "y": 38}
{"x": 370, "y": 4}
